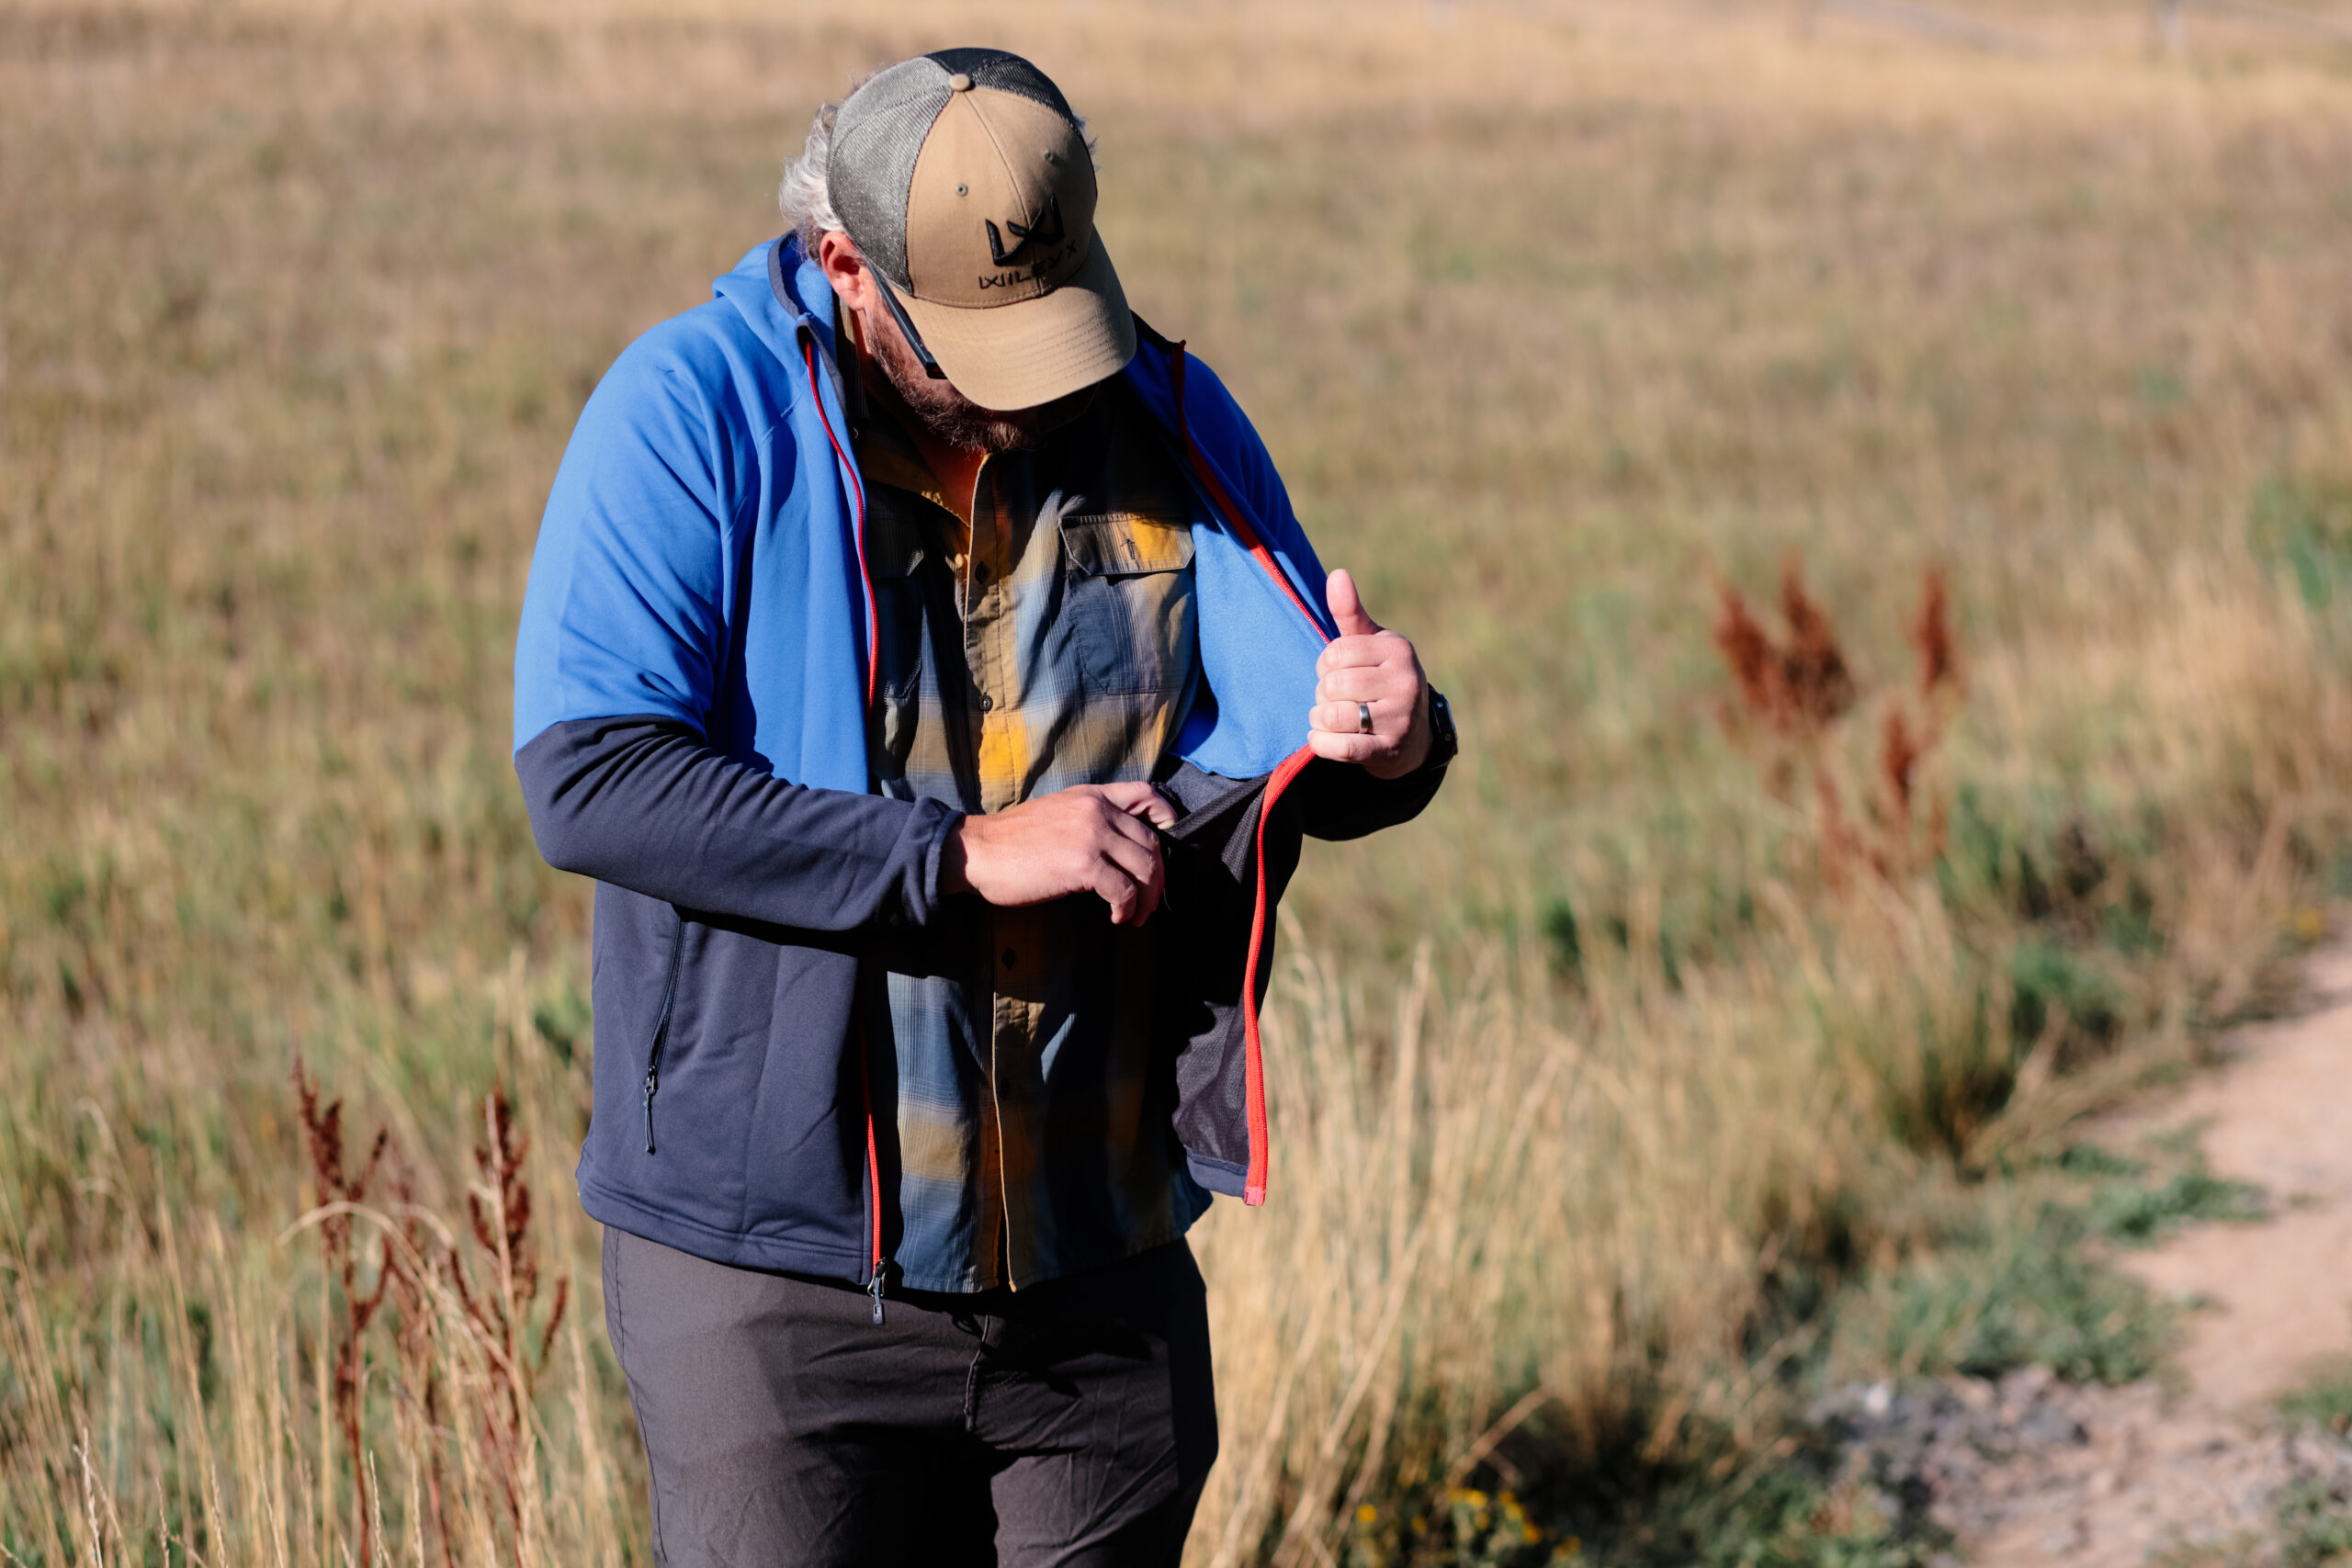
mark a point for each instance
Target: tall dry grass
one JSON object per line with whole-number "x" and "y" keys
{"x": 377, "y": 1381}
{"x": 1562, "y": 322}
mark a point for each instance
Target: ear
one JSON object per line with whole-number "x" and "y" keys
{"x": 845, "y": 270}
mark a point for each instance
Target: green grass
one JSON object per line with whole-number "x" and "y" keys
{"x": 2314, "y": 1523}
{"x": 2140, "y": 1216}
{"x": 2325, "y": 1403}
{"x": 2017, "y": 1287}
{"x": 2017, "y": 1271}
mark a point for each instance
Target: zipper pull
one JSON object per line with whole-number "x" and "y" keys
{"x": 649, "y": 1083}
{"x": 873, "y": 1288}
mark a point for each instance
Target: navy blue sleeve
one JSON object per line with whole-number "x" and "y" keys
{"x": 1339, "y": 800}
{"x": 641, "y": 802}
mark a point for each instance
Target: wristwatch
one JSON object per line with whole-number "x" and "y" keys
{"x": 1444, "y": 744}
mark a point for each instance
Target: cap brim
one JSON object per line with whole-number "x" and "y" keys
{"x": 1018, "y": 356}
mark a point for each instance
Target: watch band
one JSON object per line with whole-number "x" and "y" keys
{"x": 1445, "y": 742}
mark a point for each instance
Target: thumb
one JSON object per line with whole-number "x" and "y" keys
{"x": 1139, "y": 799}
{"x": 1347, "y": 605}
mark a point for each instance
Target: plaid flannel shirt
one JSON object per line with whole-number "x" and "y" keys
{"x": 1052, "y": 646}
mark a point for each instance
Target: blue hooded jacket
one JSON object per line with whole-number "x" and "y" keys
{"x": 689, "y": 683}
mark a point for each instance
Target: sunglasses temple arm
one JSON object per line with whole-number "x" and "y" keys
{"x": 914, "y": 339}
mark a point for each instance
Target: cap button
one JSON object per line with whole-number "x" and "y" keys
{"x": 959, "y": 82}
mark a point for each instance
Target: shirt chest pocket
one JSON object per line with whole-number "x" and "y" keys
{"x": 1127, "y": 605}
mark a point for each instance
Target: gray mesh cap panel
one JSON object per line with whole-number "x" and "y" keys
{"x": 876, "y": 136}
{"x": 1005, "y": 72}
{"x": 880, "y": 130}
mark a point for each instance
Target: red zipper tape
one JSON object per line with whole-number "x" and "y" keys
{"x": 1253, "y": 1061}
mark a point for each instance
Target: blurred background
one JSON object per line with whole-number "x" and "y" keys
{"x": 1876, "y": 483}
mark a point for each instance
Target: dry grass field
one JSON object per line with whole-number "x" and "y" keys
{"x": 1742, "y": 982}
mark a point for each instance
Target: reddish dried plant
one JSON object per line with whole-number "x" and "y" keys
{"x": 414, "y": 1344}
{"x": 1905, "y": 746}
{"x": 1797, "y": 688}
{"x": 1898, "y": 759}
{"x": 500, "y": 1209}
{"x": 1755, "y": 663}
{"x": 1820, "y": 689}
{"x": 1902, "y": 847}
{"x": 338, "y": 1192}
{"x": 1931, "y": 636}
{"x": 418, "y": 1272}
{"x": 1794, "y": 692}
{"x": 1838, "y": 845}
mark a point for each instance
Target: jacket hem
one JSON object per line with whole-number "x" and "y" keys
{"x": 1219, "y": 1176}
{"x": 712, "y": 1245}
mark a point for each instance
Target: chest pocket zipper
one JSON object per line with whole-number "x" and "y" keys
{"x": 661, "y": 1031}
{"x": 1120, "y": 544}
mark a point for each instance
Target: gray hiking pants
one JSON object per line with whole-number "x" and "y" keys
{"x": 1071, "y": 1423}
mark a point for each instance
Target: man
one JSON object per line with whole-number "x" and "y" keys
{"x": 922, "y": 657}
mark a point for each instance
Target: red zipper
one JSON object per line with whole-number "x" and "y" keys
{"x": 875, "y": 1280}
{"x": 1253, "y": 1062}
{"x": 857, "y": 498}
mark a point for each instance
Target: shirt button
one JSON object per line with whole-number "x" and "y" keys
{"x": 979, "y": 572}
{"x": 987, "y": 702}
{"x": 1010, "y": 958}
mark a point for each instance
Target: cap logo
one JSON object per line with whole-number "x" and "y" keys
{"x": 1046, "y": 231}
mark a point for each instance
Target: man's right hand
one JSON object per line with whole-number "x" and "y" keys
{"x": 1088, "y": 839}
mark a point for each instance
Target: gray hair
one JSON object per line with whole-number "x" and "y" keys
{"x": 803, "y": 196}
{"x": 805, "y": 199}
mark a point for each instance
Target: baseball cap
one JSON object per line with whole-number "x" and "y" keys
{"x": 963, "y": 179}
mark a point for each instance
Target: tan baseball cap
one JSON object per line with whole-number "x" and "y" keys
{"x": 963, "y": 179}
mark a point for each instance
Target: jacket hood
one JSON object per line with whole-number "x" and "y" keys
{"x": 779, "y": 293}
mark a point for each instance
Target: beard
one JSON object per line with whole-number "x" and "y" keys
{"x": 953, "y": 419}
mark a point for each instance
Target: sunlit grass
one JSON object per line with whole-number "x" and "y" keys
{"x": 1588, "y": 1088}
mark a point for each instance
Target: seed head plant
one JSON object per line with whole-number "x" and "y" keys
{"x": 1795, "y": 693}
{"x": 450, "y": 1313}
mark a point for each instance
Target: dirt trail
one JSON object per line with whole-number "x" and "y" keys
{"x": 2279, "y": 1115}
{"x": 2138, "y": 1470}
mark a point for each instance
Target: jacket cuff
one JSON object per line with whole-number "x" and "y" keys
{"x": 935, "y": 852}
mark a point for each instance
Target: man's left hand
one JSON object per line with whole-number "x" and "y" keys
{"x": 1367, "y": 666}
